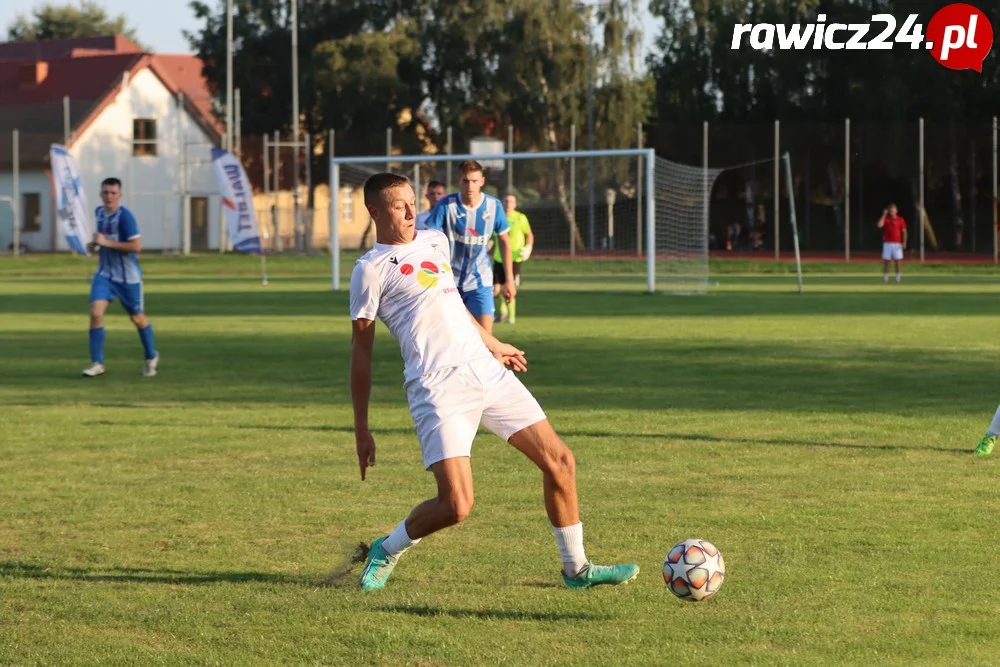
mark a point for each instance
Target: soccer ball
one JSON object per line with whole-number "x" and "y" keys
{"x": 694, "y": 570}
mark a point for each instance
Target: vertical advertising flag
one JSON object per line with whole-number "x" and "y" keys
{"x": 71, "y": 200}
{"x": 237, "y": 202}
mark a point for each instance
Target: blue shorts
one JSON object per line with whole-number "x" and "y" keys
{"x": 479, "y": 301}
{"x": 105, "y": 289}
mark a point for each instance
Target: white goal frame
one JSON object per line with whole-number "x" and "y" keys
{"x": 649, "y": 193}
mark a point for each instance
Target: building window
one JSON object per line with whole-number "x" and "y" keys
{"x": 31, "y": 212}
{"x": 144, "y": 137}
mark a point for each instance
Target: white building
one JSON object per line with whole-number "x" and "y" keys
{"x": 145, "y": 119}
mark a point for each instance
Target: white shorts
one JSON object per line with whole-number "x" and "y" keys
{"x": 449, "y": 405}
{"x": 892, "y": 251}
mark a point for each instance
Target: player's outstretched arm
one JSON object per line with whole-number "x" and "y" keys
{"x": 362, "y": 344}
{"x": 505, "y": 353}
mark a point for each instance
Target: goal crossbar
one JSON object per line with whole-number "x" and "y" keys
{"x": 649, "y": 195}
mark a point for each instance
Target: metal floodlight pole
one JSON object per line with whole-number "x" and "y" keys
{"x": 335, "y": 223}
{"x": 295, "y": 114}
{"x": 510, "y": 164}
{"x": 66, "y": 121}
{"x": 638, "y": 194}
{"x": 333, "y": 220}
{"x": 996, "y": 245}
{"x": 921, "y": 222}
{"x": 229, "y": 78}
{"x": 388, "y": 147}
{"x": 572, "y": 190}
{"x": 705, "y": 193}
{"x": 308, "y": 231}
{"x": 16, "y": 191}
{"x": 238, "y": 127}
{"x": 590, "y": 135}
{"x": 266, "y": 161}
{"x": 847, "y": 189}
{"x": 650, "y": 221}
{"x": 447, "y": 150}
{"x": 777, "y": 189}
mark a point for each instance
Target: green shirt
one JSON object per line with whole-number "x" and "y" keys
{"x": 519, "y": 229}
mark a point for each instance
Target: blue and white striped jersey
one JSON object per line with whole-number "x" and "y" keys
{"x": 469, "y": 230}
{"x": 119, "y": 225}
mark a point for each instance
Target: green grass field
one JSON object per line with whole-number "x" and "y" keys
{"x": 820, "y": 440}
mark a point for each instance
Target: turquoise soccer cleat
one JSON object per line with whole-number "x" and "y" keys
{"x": 985, "y": 446}
{"x": 378, "y": 567}
{"x": 595, "y": 575}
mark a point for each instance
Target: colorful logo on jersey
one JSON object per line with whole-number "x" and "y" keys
{"x": 428, "y": 273}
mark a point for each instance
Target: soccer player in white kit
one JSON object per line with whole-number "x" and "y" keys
{"x": 456, "y": 379}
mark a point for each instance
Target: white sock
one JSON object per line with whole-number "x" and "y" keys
{"x": 995, "y": 424}
{"x": 570, "y": 542}
{"x": 398, "y": 540}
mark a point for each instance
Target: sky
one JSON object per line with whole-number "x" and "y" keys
{"x": 161, "y": 28}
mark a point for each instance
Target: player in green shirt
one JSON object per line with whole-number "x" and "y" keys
{"x": 521, "y": 241}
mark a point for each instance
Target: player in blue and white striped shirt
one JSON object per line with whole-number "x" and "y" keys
{"x": 469, "y": 219}
{"x": 118, "y": 243}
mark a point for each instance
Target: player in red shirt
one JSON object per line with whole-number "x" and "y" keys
{"x": 893, "y": 239}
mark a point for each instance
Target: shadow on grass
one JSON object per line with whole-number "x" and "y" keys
{"x": 570, "y": 434}
{"x": 20, "y": 570}
{"x": 492, "y": 614}
{"x": 246, "y": 367}
{"x": 542, "y": 302}
{"x": 694, "y": 437}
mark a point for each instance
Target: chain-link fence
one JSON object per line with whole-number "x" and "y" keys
{"x": 844, "y": 175}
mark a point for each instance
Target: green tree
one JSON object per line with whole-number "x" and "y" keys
{"x": 52, "y": 21}
{"x": 490, "y": 63}
{"x": 357, "y": 70}
{"x": 700, "y": 77}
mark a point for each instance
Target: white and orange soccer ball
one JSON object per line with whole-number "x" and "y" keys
{"x": 694, "y": 570}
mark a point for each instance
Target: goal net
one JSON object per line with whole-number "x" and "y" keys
{"x": 616, "y": 218}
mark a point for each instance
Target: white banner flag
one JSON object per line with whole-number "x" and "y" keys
{"x": 71, "y": 200}
{"x": 237, "y": 202}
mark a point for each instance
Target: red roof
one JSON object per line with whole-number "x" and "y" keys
{"x": 63, "y": 48}
{"x": 90, "y": 77}
{"x": 82, "y": 79}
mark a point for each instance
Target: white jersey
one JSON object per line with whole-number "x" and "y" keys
{"x": 412, "y": 289}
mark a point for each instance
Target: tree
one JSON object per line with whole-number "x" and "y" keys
{"x": 489, "y": 63}
{"x": 357, "y": 70}
{"x": 51, "y": 21}
{"x": 700, "y": 77}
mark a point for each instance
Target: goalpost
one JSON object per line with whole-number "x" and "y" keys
{"x": 607, "y": 215}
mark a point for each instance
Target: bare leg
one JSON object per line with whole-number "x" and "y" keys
{"x": 97, "y": 310}
{"x": 452, "y": 504}
{"x": 540, "y": 443}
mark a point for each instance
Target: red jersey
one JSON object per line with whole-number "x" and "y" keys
{"x": 893, "y": 228}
